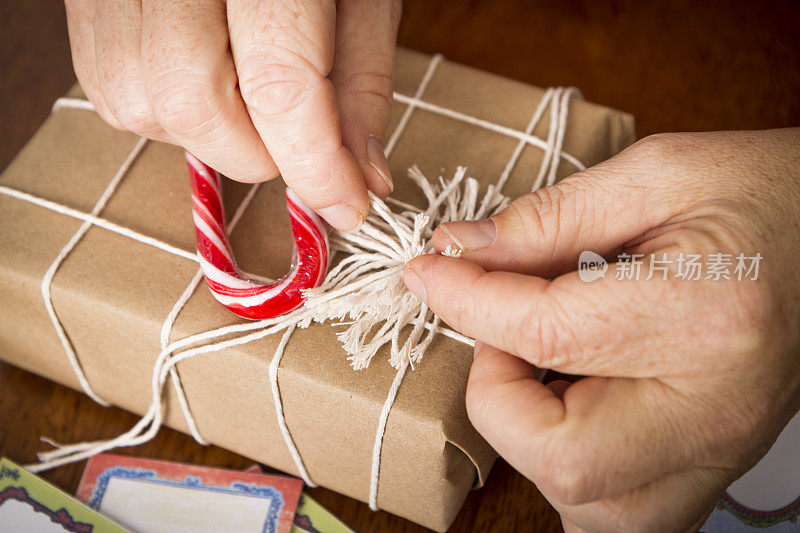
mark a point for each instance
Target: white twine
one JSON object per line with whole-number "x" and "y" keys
{"x": 412, "y": 103}
{"x": 276, "y": 393}
{"x": 485, "y": 124}
{"x": 555, "y": 136}
{"x": 97, "y": 221}
{"x": 51, "y": 272}
{"x": 72, "y": 103}
{"x": 364, "y": 288}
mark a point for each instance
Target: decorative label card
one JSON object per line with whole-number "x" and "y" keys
{"x": 29, "y": 503}
{"x": 160, "y": 496}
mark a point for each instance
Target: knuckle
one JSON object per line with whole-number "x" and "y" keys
{"x": 523, "y": 215}
{"x": 754, "y": 305}
{"x": 292, "y": 32}
{"x": 537, "y": 218}
{"x": 136, "y": 117}
{"x": 746, "y": 319}
{"x": 464, "y": 307}
{"x": 258, "y": 172}
{"x": 184, "y": 103}
{"x": 545, "y": 339}
{"x": 746, "y": 422}
{"x": 272, "y": 89}
{"x": 542, "y": 342}
{"x": 653, "y": 170}
{"x": 125, "y": 97}
{"x": 308, "y": 176}
{"x": 372, "y": 87}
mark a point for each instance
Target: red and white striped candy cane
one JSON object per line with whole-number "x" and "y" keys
{"x": 247, "y": 297}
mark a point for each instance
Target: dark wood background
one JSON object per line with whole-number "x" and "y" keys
{"x": 674, "y": 65}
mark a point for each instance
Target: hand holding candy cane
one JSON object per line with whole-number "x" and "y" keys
{"x": 253, "y": 88}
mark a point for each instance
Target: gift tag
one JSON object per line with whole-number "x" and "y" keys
{"x": 160, "y": 496}
{"x": 29, "y": 503}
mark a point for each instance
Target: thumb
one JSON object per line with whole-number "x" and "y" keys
{"x": 543, "y": 233}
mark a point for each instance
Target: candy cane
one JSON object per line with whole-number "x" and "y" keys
{"x": 244, "y": 296}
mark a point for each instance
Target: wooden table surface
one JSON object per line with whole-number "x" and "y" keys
{"x": 675, "y": 67}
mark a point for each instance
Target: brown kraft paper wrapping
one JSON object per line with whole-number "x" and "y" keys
{"x": 112, "y": 294}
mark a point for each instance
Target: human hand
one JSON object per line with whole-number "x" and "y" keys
{"x": 690, "y": 381}
{"x": 251, "y": 87}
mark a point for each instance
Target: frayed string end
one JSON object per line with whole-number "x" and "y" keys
{"x": 365, "y": 292}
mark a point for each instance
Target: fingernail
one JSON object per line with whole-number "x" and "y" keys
{"x": 414, "y": 284}
{"x": 477, "y": 350}
{"x": 471, "y": 234}
{"x": 343, "y": 217}
{"x": 378, "y": 161}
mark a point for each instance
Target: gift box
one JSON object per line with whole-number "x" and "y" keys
{"x": 112, "y": 293}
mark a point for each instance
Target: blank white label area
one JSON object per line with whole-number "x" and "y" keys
{"x": 20, "y": 516}
{"x": 149, "y": 507}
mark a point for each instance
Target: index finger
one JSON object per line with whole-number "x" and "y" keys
{"x": 283, "y": 53}
{"x": 566, "y": 324}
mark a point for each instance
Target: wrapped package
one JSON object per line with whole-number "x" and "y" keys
{"x": 112, "y": 293}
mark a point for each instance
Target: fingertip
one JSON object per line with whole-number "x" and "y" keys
{"x": 445, "y": 284}
{"x": 420, "y": 272}
{"x": 257, "y": 168}
{"x": 495, "y": 366}
{"x": 442, "y": 271}
{"x": 424, "y": 265}
{"x": 414, "y": 283}
{"x": 418, "y": 263}
{"x": 442, "y": 240}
